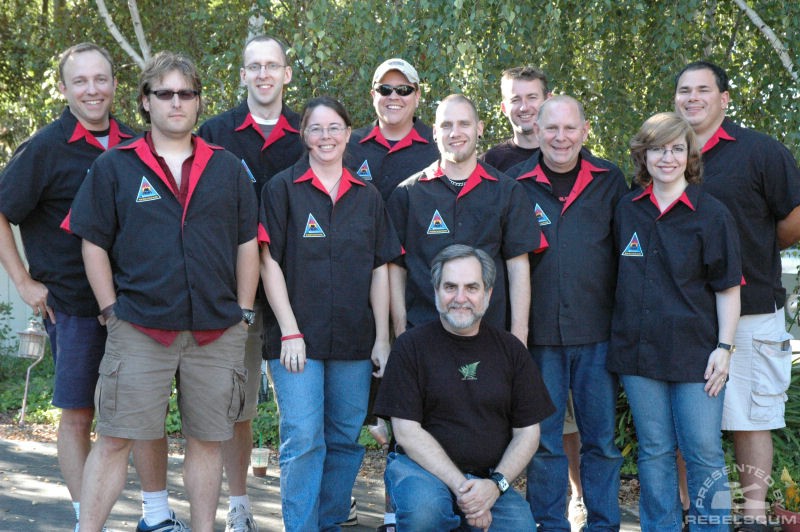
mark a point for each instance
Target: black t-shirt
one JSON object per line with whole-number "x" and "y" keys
{"x": 561, "y": 183}
{"x": 468, "y": 392}
{"x": 507, "y": 154}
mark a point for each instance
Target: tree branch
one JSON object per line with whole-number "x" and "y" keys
{"x": 138, "y": 29}
{"x": 114, "y": 30}
{"x": 773, "y": 39}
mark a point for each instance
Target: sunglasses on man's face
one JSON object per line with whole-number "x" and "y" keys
{"x": 183, "y": 94}
{"x": 401, "y": 90}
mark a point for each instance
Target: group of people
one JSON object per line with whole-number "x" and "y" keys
{"x": 489, "y": 296}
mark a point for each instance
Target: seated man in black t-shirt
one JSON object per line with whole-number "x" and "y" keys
{"x": 465, "y": 400}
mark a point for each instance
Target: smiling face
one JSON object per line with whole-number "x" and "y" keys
{"x": 456, "y": 130}
{"x": 561, "y": 131}
{"x": 461, "y": 297}
{"x": 667, "y": 164}
{"x": 394, "y": 110}
{"x": 700, "y": 102}
{"x": 521, "y": 101}
{"x": 264, "y": 85}
{"x": 324, "y": 146}
{"x": 88, "y": 85}
{"x": 173, "y": 118}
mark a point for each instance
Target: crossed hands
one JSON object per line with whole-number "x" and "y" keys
{"x": 475, "y": 497}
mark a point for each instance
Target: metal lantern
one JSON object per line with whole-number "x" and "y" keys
{"x": 31, "y": 345}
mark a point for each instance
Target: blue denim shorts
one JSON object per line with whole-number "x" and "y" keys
{"x": 78, "y": 344}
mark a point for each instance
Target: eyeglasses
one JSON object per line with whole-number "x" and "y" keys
{"x": 183, "y": 94}
{"x": 255, "y": 68}
{"x": 318, "y": 131}
{"x": 661, "y": 151}
{"x": 401, "y": 90}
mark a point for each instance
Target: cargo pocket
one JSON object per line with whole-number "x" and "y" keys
{"x": 772, "y": 367}
{"x": 237, "y": 394}
{"x": 105, "y": 394}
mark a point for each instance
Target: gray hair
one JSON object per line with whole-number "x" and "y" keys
{"x": 462, "y": 251}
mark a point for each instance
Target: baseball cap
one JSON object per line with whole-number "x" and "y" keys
{"x": 398, "y": 64}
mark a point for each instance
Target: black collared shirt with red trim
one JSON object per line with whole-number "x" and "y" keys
{"x": 573, "y": 281}
{"x": 757, "y": 178}
{"x": 37, "y": 187}
{"x": 671, "y": 265}
{"x": 490, "y": 212}
{"x": 237, "y": 131}
{"x": 327, "y": 252}
{"x": 174, "y": 266}
{"x": 373, "y": 158}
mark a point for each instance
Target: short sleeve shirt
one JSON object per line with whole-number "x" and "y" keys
{"x": 671, "y": 265}
{"x": 757, "y": 178}
{"x": 468, "y": 392}
{"x": 490, "y": 212}
{"x": 327, "y": 252}
{"x": 37, "y": 187}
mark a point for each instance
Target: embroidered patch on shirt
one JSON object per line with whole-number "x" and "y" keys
{"x": 249, "y": 173}
{"x": 469, "y": 372}
{"x": 437, "y": 225}
{"x": 633, "y": 249}
{"x": 541, "y": 217}
{"x": 146, "y": 192}
{"x": 313, "y": 230}
{"x": 363, "y": 171}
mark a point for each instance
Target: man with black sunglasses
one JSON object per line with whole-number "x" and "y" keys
{"x": 169, "y": 225}
{"x": 264, "y": 133}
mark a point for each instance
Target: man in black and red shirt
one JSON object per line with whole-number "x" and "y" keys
{"x": 263, "y": 131}
{"x": 169, "y": 241}
{"x": 36, "y": 189}
{"x": 757, "y": 178}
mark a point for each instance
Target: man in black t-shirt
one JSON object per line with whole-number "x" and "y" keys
{"x": 465, "y": 400}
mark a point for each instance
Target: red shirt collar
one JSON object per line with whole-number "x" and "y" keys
{"x": 474, "y": 179}
{"x": 412, "y": 137}
{"x": 115, "y": 136}
{"x": 719, "y": 134}
{"x": 347, "y": 182}
{"x": 281, "y": 128}
{"x": 581, "y": 182}
{"x": 648, "y": 192}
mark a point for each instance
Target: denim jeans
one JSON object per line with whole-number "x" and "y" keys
{"x": 676, "y": 414}
{"x": 321, "y": 412}
{"x": 581, "y": 368}
{"x": 423, "y": 503}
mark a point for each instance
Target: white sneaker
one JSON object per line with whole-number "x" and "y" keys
{"x": 240, "y": 520}
{"x": 352, "y": 517}
{"x": 577, "y": 514}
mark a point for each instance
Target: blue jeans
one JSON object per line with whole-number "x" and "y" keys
{"x": 424, "y": 503}
{"x": 581, "y": 368}
{"x": 321, "y": 411}
{"x": 676, "y": 414}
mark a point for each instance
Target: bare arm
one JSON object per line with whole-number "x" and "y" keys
{"x": 423, "y": 448}
{"x": 519, "y": 294}
{"x": 32, "y": 292}
{"x": 379, "y": 300}
{"x": 293, "y": 351}
{"x": 728, "y": 309}
{"x": 789, "y": 229}
{"x": 98, "y": 271}
{"x": 397, "y": 288}
{"x": 247, "y": 267}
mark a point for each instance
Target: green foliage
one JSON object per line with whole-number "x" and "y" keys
{"x": 265, "y": 425}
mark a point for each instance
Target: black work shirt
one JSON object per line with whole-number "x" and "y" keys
{"x": 490, "y": 212}
{"x": 36, "y": 190}
{"x": 757, "y": 178}
{"x": 671, "y": 265}
{"x": 573, "y": 281}
{"x": 468, "y": 392}
{"x": 373, "y": 158}
{"x": 327, "y": 252}
{"x": 507, "y": 154}
{"x": 174, "y": 267}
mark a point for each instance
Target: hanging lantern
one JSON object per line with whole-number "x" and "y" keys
{"x": 32, "y": 340}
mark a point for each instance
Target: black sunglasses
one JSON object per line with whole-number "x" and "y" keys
{"x": 183, "y": 94}
{"x": 401, "y": 90}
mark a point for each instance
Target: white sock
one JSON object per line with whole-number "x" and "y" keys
{"x": 77, "y": 507}
{"x": 389, "y": 518}
{"x": 239, "y": 500}
{"x": 155, "y": 507}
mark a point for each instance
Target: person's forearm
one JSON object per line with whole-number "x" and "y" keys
{"x": 728, "y": 310}
{"x": 423, "y": 448}
{"x": 277, "y": 293}
{"x": 788, "y": 229}
{"x": 9, "y": 254}
{"x": 397, "y": 300}
{"x": 519, "y": 452}
{"x": 379, "y": 300}
{"x": 247, "y": 270}
{"x": 519, "y": 293}
{"x": 98, "y": 271}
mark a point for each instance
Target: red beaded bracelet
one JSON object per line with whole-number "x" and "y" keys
{"x": 291, "y": 337}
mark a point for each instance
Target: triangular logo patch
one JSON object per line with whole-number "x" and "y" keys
{"x": 249, "y": 173}
{"x": 313, "y": 230}
{"x": 634, "y": 248}
{"x": 146, "y": 192}
{"x": 437, "y": 225}
{"x": 541, "y": 217}
{"x": 363, "y": 171}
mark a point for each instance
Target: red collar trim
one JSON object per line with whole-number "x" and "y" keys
{"x": 474, "y": 179}
{"x": 115, "y": 136}
{"x": 281, "y": 128}
{"x": 719, "y": 134}
{"x": 585, "y": 176}
{"x": 648, "y": 193}
{"x": 346, "y": 184}
{"x": 412, "y": 137}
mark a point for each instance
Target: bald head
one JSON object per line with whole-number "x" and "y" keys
{"x": 561, "y": 129}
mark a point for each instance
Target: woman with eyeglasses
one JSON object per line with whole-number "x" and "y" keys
{"x": 675, "y": 315}
{"x": 326, "y": 240}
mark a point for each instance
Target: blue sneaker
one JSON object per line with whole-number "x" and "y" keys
{"x": 173, "y": 524}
